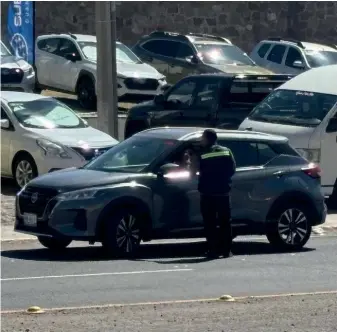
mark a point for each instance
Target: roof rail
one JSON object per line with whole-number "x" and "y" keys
{"x": 177, "y": 35}
{"x": 191, "y": 34}
{"x": 72, "y": 36}
{"x": 297, "y": 42}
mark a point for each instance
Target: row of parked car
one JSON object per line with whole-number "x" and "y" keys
{"x": 67, "y": 62}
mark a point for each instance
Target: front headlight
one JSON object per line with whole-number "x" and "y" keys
{"x": 52, "y": 149}
{"x": 312, "y": 155}
{"x": 162, "y": 81}
{"x": 78, "y": 194}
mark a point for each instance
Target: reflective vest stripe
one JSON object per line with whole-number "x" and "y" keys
{"x": 215, "y": 154}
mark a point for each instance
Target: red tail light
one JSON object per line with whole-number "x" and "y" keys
{"x": 313, "y": 171}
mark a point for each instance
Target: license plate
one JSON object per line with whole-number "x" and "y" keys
{"x": 29, "y": 219}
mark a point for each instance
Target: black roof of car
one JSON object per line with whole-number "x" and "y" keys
{"x": 192, "y": 133}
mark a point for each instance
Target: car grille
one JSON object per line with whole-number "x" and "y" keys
{"x": 11, "y": 75}
{"x": 28, "y": 205}
{"x": 141, "y": 84}
{"x": 89, "y": 154}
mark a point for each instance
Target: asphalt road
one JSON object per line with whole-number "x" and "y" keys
{"x": 82, "y": 276}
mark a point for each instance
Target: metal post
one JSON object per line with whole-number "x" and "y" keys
{"x": 107, "y": 100}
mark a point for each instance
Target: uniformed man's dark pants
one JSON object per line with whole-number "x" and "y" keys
{"x": 216, "y": 211}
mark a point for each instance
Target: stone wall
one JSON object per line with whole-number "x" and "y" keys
{"x": 244, "y": 23}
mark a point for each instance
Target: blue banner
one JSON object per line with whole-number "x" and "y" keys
{"x": 20, "y": 29}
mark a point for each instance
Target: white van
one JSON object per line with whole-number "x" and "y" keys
{"x": 304, "y": 109}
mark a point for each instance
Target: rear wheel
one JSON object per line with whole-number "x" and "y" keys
{"x": 122, "y": 233}
{"x": 292, "y": 228}
{"x": 54, "y": 243}
{"x": 86, "y": 93}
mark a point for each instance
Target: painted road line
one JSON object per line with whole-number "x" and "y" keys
{"x": 115, "y": 305}
{"x": 96, "y": 274}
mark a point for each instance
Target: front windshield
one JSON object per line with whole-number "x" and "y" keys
{"x": 223, "y": 54}
{"x": 321, "y": 58}
{"x": 123, "y": 53}
{"x": 46, "y": 113}
{"x": 294, "y": 107}
{"x": 132, "y": 155}
{"x": 4, "y": 50}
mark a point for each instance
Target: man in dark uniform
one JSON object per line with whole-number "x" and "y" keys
{"x": 216, "y": 167}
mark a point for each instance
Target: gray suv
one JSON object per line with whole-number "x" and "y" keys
{"x": 146, "y": 188}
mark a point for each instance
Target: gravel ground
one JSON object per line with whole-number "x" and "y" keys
{"x": 312, "y": 313}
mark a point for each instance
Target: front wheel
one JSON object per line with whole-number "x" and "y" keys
{"x": 86, "y": 93}
{"x": 292, "y": 228}
{"x": 122, "y": 233}
{"x": 24, "y": 170}
{"x": 54, "y": 243}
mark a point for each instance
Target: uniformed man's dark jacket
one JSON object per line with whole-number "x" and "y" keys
{"x": 216, "y": 168}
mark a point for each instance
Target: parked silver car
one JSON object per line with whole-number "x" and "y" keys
{"x": 143, "y": 189}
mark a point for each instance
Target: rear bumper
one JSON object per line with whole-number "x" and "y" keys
{"x": 321, "y": 214}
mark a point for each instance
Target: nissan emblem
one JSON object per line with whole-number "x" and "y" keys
{"x": 34, "y": 198}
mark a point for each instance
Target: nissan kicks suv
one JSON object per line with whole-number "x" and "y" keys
{"x": 145, "y": 188}
{"x": 177, "y": 55}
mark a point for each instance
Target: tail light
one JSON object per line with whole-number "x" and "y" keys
{"x": 313, "y": 171}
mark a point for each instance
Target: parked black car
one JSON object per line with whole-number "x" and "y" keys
{"x": 206, "y": 100}
{"x": 145, "y": 188}
{"x": 177, "y": 55}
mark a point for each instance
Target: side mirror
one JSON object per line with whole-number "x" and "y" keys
{"x": 332, "y": 126}
{"x": 298, "y": 64}
{"x": 72, "y": 57}
{"x": 165, "y": 87}
{"x": 167, "y": 168}
{"x": 5, "y": 124}
{"x": 194, "y": 60}
{"x": 159, "y": 99}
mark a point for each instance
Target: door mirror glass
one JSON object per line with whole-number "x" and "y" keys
{"x": 298, "y": 64}
{"x": 194, "y": 59}
{"x": 72, "y": 57}
{"x": 332, "y": 126}
{"x": 159, "y": 99}
{"x": 5, "y": 124}
{"x": 165, "y": 87}
{"x": 173, "y": 171}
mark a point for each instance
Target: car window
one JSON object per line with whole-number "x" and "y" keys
{"x": 4, "y": 115}
{"x": 182, "y": 95}
{"x": 245, "y": 153}
{"x": 132, "y": 155}
{"x": 264, "y": 48}
{"x": 266, "y": 153}
{"x": 292, "y": 56}
{"x": 293, "y": 107}
{"x": 49, "y": 45}
{"x": 321, "y": 58}
{"x": 67, "y": 47}
{"x": 162, "y": 47}
{"x": 207, "y": 96}
{"x": 276, "y": 54}
{"x": 46, "y": 113}
{"x": 184, "y": 51}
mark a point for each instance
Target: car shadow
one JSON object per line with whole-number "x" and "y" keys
{"x": 8, "y": 187}
{"x": 173, "y": 253}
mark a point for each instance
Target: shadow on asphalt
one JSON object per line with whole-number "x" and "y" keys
{"x": 188, "y": 253}
{"x": 8, "y": 187}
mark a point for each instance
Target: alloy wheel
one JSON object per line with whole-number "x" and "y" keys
{"x": 128, "y": 234}
{"x": 24, "y": 173}
{"x": 293, "y": 227}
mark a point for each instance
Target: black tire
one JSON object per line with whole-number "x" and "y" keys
{"x": 24, "y": 162}
{"x": 86, "y": 93}
{"x": 122, "y": 233}
{"x": 291, "y": 228}
{"x": 53, "y": 243}
{"x": 134, "y": 127}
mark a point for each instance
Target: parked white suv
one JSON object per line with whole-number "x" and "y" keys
{"x": 39, "y": 134}
{"x": 287, "y": 56}
{"x": 67, "y": 63}
{"x": 16, "y": 73}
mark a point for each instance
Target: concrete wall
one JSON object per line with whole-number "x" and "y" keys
{"x": 244, "y": 23}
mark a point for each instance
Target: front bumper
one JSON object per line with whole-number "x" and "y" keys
{"x": 124, "y": 90}
{"x": 27, "y": 84}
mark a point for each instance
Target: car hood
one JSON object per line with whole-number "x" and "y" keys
{"x": 142, "y": 108}
{"x": 299, "y": 137}
{"x": 74, "y": 179}
{"x": 246, "y": 69}
{"x": 138, "y": 70}
{"x": 12, "y": 61}
{"x": 76, "y": 137}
